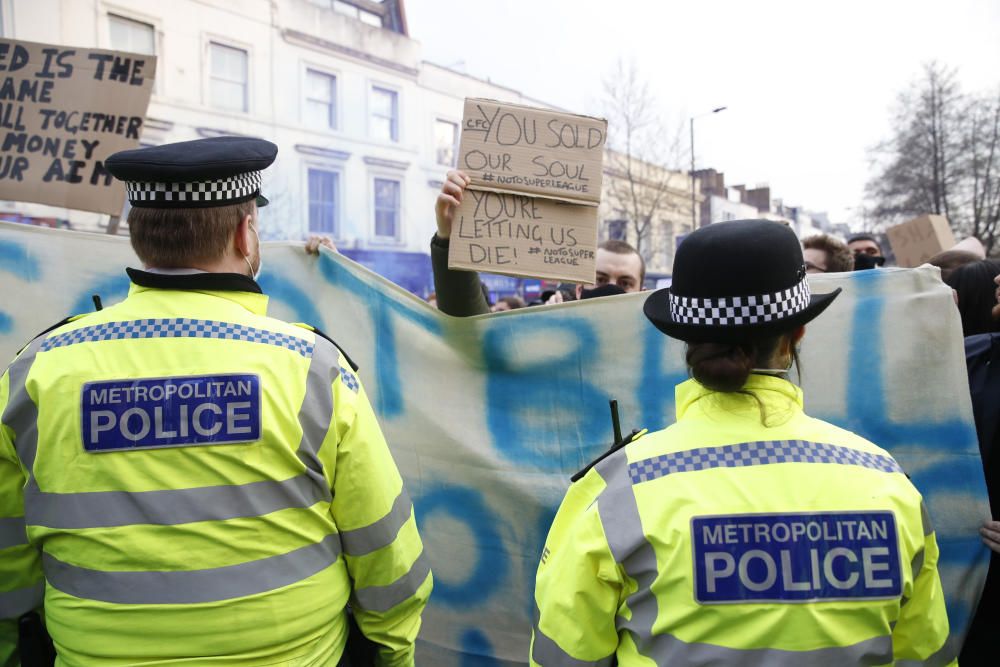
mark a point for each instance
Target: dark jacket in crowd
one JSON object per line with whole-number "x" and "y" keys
{"x": 982, "y": 357}
{"x": 458, "y": 292}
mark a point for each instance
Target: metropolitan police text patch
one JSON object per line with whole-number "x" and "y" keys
{"x": 795, "y": 557}
{"x": 170, "y": 412}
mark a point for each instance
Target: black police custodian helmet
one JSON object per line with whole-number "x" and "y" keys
{"x": 733, "y": 280}
{"x": 194, "y": 174}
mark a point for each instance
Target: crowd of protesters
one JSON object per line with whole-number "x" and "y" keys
{"x": 620, "y": 269}
{"x": 975, "y": 282}
{"x": 747, "y": 532}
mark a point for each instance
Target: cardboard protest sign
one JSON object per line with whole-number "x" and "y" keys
{"x": 63, "y": 111}
{"x": 917, "y": 240}
{"x": 521, "y": 235}
{"x": 520, "y": 154}
{"x": 512, "y": 148}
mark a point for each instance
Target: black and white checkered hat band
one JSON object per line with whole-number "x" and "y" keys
{"x": 233, "y": 189}
{"x": 737, "y": 310}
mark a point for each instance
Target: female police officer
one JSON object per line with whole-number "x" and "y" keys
{"x": 747, "y": 533}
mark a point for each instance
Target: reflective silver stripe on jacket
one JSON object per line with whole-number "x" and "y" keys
{"x": 547, "y": 653}
{"x": 316, "y": 413}
{"x": 925, "y": 519}
{"x": 192, "y": 586}
{"x": 21, "y": 600}
{"x": 168, "y": 507}
{"x": 21, "y": 413}
{"x": 943, "y": 656}
{"x": 381, "y": 533}
{"x": 12, "y": 532}
{"x": 622, "y": 523}
{"x": 666, "y": 649}
{"x": 384, "y": 598}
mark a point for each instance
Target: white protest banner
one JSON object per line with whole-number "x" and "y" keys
{"x": 487, "y": 417}
{"x": 63, "y": 111}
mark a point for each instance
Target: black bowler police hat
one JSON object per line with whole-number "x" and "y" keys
{"x": 733, "y": 280}
{"x": 194, "y": 174}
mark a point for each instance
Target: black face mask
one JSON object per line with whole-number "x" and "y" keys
{"x": 604, "y": 290}
{"x": 863, "y": 261}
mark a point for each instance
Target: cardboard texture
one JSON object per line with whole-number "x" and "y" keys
{"x": 63, "y": 111}
{"x": 512, "y": 148}
{"x": 531, "y": 206}
{"x": 524, "y": 236}
{"x": 917, "y": 240}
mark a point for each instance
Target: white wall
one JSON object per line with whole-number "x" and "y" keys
{"x": 283, "y": 38}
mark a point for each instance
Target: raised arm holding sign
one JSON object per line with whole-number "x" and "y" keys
{"x": 534, "y": 185}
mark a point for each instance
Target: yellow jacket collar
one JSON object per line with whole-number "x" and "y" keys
{"x": 778, "y": 396}
{"x": 233, "y": 287}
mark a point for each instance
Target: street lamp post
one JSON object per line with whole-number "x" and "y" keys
{"x": 694, "y": 217}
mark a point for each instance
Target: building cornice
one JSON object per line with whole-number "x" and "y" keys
{"x": 319, "y": 151}
{"x": 382, "y": 162}
{"x": 311, "y": 41}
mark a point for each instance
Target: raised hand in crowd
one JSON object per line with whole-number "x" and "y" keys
{"x": 315, "y": 241}
{"x": 449, "y": 200}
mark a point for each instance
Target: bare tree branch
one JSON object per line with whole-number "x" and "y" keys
{"x": 642, "y": 163}
{"x": 943, "y": 158}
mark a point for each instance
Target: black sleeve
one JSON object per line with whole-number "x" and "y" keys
{"x": 458, "y": 292}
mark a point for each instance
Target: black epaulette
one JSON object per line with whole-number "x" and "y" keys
{"x": 631, "y": 437}
{"x": 55, "y": 326}
{"x": 309, "y": 327}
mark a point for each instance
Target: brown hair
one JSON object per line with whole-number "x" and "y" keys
{"x": 726, "y": 367}
{"x": 949, "y": 260}
{"x": 839, "y": 257}
{"x": 177, "y": 238}
{"x": 514, "y": 302}
{"x": 623, "y": 248}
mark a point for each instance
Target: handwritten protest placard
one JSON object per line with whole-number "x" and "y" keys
{"x": 917, "y": 240}
{"x": 512, "y": 148}
{"x": 63, "y": 111}
{"x": 543, "y": 171}
{"x": 522, "y": 235}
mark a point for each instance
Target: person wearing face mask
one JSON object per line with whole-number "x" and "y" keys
{"x": 212, "y": 479}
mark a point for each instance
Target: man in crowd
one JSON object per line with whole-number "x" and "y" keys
{"x": 867, "y": 251}
{"x": 825, "y": 254}
{"x": 458, "y": 292}
{"x": 212, "y": 479}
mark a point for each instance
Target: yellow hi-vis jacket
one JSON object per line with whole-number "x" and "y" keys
{"x": 721, "y": 541}
{"x": 187, "y": 481}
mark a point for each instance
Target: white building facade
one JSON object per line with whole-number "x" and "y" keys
{"x": 366, "y": 131}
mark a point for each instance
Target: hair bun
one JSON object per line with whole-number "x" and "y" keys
{"x": 720, "y": 367}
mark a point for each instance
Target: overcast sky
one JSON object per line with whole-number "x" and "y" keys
{"x": 809, "y": 85}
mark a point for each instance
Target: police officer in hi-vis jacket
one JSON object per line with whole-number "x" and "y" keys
{"x": 747, "y": 533}
{"x": 186, "y": 480}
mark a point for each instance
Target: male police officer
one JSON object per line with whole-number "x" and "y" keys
{"x": 196, "y": 478}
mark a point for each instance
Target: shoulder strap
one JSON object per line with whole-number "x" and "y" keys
{"x": 631, "y": 437}
{"x": 67, "y": 320}
{"x": 309, "y": 327}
